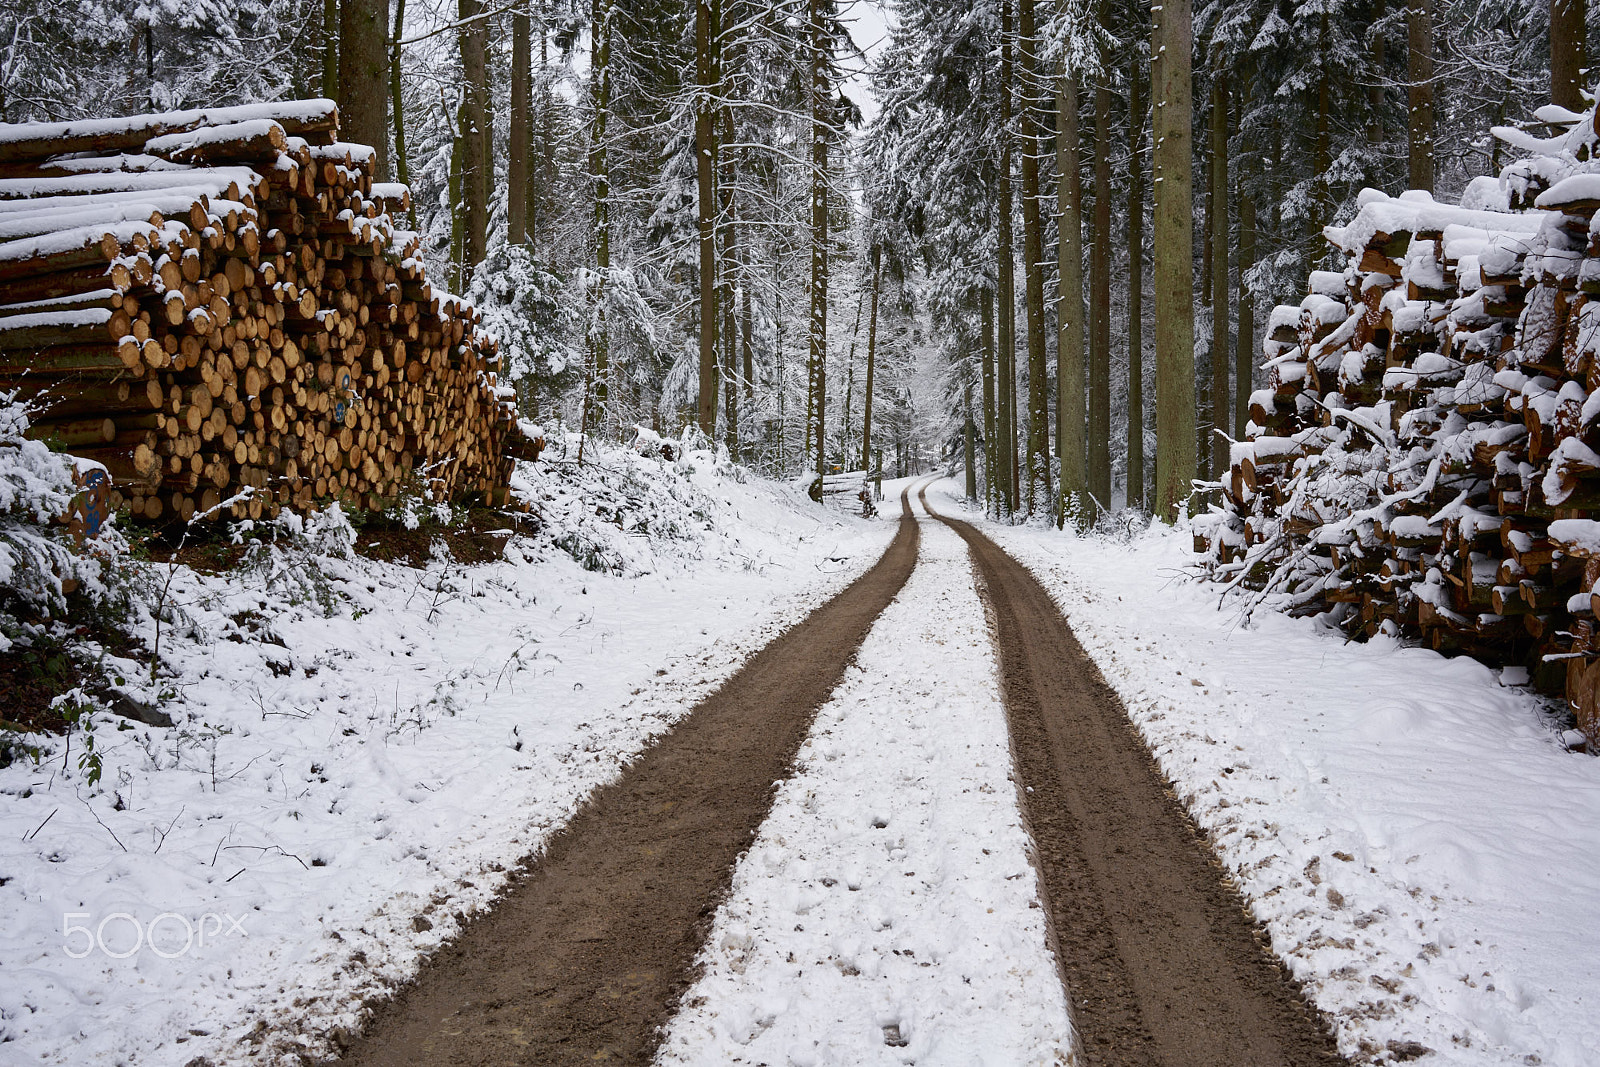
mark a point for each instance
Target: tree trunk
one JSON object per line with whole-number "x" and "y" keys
{"x": 850, "y": 375}
{"x": 330, "y": 49}
{"x": 1038, "y": 440}
{"x": 1100, "y": 305}
{"x": 1567, "y": 32}
{"x": 730, "y": 342}
{"x": 1245, "y": 344}
{"x": 1375, "y": 131}
{"x": 397, "y": 105}
{"x": 458, "y": 227}
{"x": 991, "y": 484}
{"x": 1419, "y": 72}
{"x": 705, "y": 160}
{"x": 970, "y": 457}
{"x": 600, "y": 173}
{"x": 474, "y": 39}
{"x": 1136, "y": 111}
{"x": 821, "y": 123}
{"x": 364, "y": 75}
{"x": 1006, "y": 366}
{"x": 542, "y": 165}
{"x": 1220, "y": 392}
{"x": 1069, "y": 303}
{"x": 872, "y": 353}
{"x": 1321, "y": 154}
{"x": 521, "y": 138}
{"x": 728, "y": 227}
{"x": 746, "y": 336}
{"x": 1173, "y": 285}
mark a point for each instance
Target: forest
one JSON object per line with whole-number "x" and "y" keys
{"x": 821, "y": 232}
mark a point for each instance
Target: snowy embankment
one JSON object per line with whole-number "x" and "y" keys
{"x": 363, "y": 750}
{"x": 1413, "y": 835}
{"x": 887, "y": 912}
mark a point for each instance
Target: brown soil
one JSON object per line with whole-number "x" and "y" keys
{"x": 585, "y": 958}
{"x": 1161, "y": 961}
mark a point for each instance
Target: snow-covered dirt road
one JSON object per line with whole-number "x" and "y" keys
{"x": 888, "y": 912}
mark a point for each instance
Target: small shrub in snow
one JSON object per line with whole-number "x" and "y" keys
{"x": 36, "y": 488}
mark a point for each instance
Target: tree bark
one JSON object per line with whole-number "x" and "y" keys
{"x": 1136, "y": 109}
{"x": 705, "y": 160}
{"x": 1375, "y": 131}
{"x": 600, "y": 173}
{"x": 728, "y": 227}
{"x": 1173, "y": 286}
{"x": 1005, "y": 363}
{"x": 872, "y": 353}
{"x": 397, "y": 105}
{"x": 473, "y": 38}
{"x": 821, "y": 122}
{"x": 364, "y": 75}
{"x": 1220, "y": 392}
{"x": 1419, "y": 97}
{"x": 730, "y": 338}
{"x": 1069, "y": 303}
{"x": 1568, "y": 30}
{"x": 970, "y": 457}
{"x": 1038, "y": 440}
{"x": 1100, "y": 305}
{"x": 521, "y": 138}
{"x": 991, "y": 484}
{"x": 330, "y": 49}
{"x": 1245, "y": 340}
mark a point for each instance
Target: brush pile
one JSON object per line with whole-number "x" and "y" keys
{"x": 222, "y": 305}
{"x": 1426, "y": 458}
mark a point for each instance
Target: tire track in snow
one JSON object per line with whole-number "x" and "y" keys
{"x": 584, "y": 957}
{"x": 1164, "y": 965}
{"x": 887, "y": 912}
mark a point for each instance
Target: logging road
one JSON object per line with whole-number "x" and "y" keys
{"x": 1162, "y": 963}
{"x": 586, "y": 957}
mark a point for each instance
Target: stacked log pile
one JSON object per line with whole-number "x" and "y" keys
{"x": 1425, "y": 459}
{"x": 220, "y": 305}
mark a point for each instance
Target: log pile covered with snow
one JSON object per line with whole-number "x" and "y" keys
{"x": 209, "y": 302}
{"x": 1426, "y": 457}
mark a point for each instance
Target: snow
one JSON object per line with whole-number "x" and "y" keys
{"x": 189, "y": 140}
{"x": 1580, "y": 535}
{"x": 67, "y": 240}
{"x": 1407, "y": 828}
{"x": 364, "y": 750}
{"x": 91, "y": 316}
{"x": 1570, "y": 190}
{"x": 214, "y": 181}
{"x": 154, "y": 125}
{"x": 888, "y": 912}
{"x": 1410, "y": 214}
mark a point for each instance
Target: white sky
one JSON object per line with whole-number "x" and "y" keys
{"x": 868, "y": 21}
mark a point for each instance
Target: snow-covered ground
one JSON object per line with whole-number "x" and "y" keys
{"x": 888, "y": 912}
{"x": 363, "y": 750}
{"x": 1415, "y": 838}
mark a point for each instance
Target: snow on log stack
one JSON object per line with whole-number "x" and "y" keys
{"x": 1426, "y": 456}
{"x": 209, "y": 302}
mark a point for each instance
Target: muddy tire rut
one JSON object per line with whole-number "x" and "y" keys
{"x": 587, "y": 954}
{"x": 1163, "y": 965}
